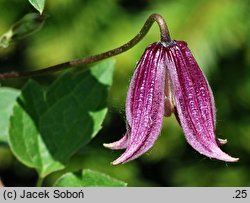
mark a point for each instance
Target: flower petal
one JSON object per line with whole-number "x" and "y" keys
{"x": 145, "y": 103}
{"x": 120, "y": 144}
{"x": 194, "y": 101}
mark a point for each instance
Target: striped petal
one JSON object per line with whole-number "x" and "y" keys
{"x": 194, "y": 102}
{"x": 144, "y": 105}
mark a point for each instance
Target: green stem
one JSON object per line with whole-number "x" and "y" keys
{"x": 165, "y": 37}
{"x": 39, "y": 182}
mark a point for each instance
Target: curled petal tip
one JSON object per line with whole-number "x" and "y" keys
{"x": 221, "y": 141}
{"x": 127, "y": 156}
{"x": 108, "y": 145}
{"x": 215, "y": 152}
{"x": 120, "y": 144}
{"x": 233, "y": 159}
{"x": 115, "y": 163}
{"x": 111, "y": 145}
{"x": 227, "y": 158}
{"x": 120, "y": 160}
{"x": 236, "y": 159}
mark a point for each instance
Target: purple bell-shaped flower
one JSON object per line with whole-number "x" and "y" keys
{"x": 168, "y": 80}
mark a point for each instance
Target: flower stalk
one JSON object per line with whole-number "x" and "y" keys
{"x": 94, "y": 58}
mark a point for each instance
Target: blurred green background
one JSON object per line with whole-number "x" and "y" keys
{"x": 218, "y": 33}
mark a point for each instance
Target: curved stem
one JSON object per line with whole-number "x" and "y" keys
{"x": 165, "y": 37}
{"x": 39, "y": 182}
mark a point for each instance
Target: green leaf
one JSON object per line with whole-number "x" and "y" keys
{"x": 88, "y": 178}
{"x": 8, "y": 98}
{"x": 38, "y": 4}
{"x": 49, "y": 125}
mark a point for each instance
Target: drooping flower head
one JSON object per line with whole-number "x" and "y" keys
{"x": 167, "y": 80}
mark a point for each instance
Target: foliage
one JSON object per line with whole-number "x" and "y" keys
{"x": 8, "y": 98}
{"x": 217, "y": 33}
{"x": 48, "y": 126}
{"x": 38, "y": 4}
{"x": 88, "y": 178}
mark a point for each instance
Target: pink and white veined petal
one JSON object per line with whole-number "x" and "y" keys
{"x": 194, "y": 102}
{"x": 145, "y": 103}
{"x": 120, "y": 144}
